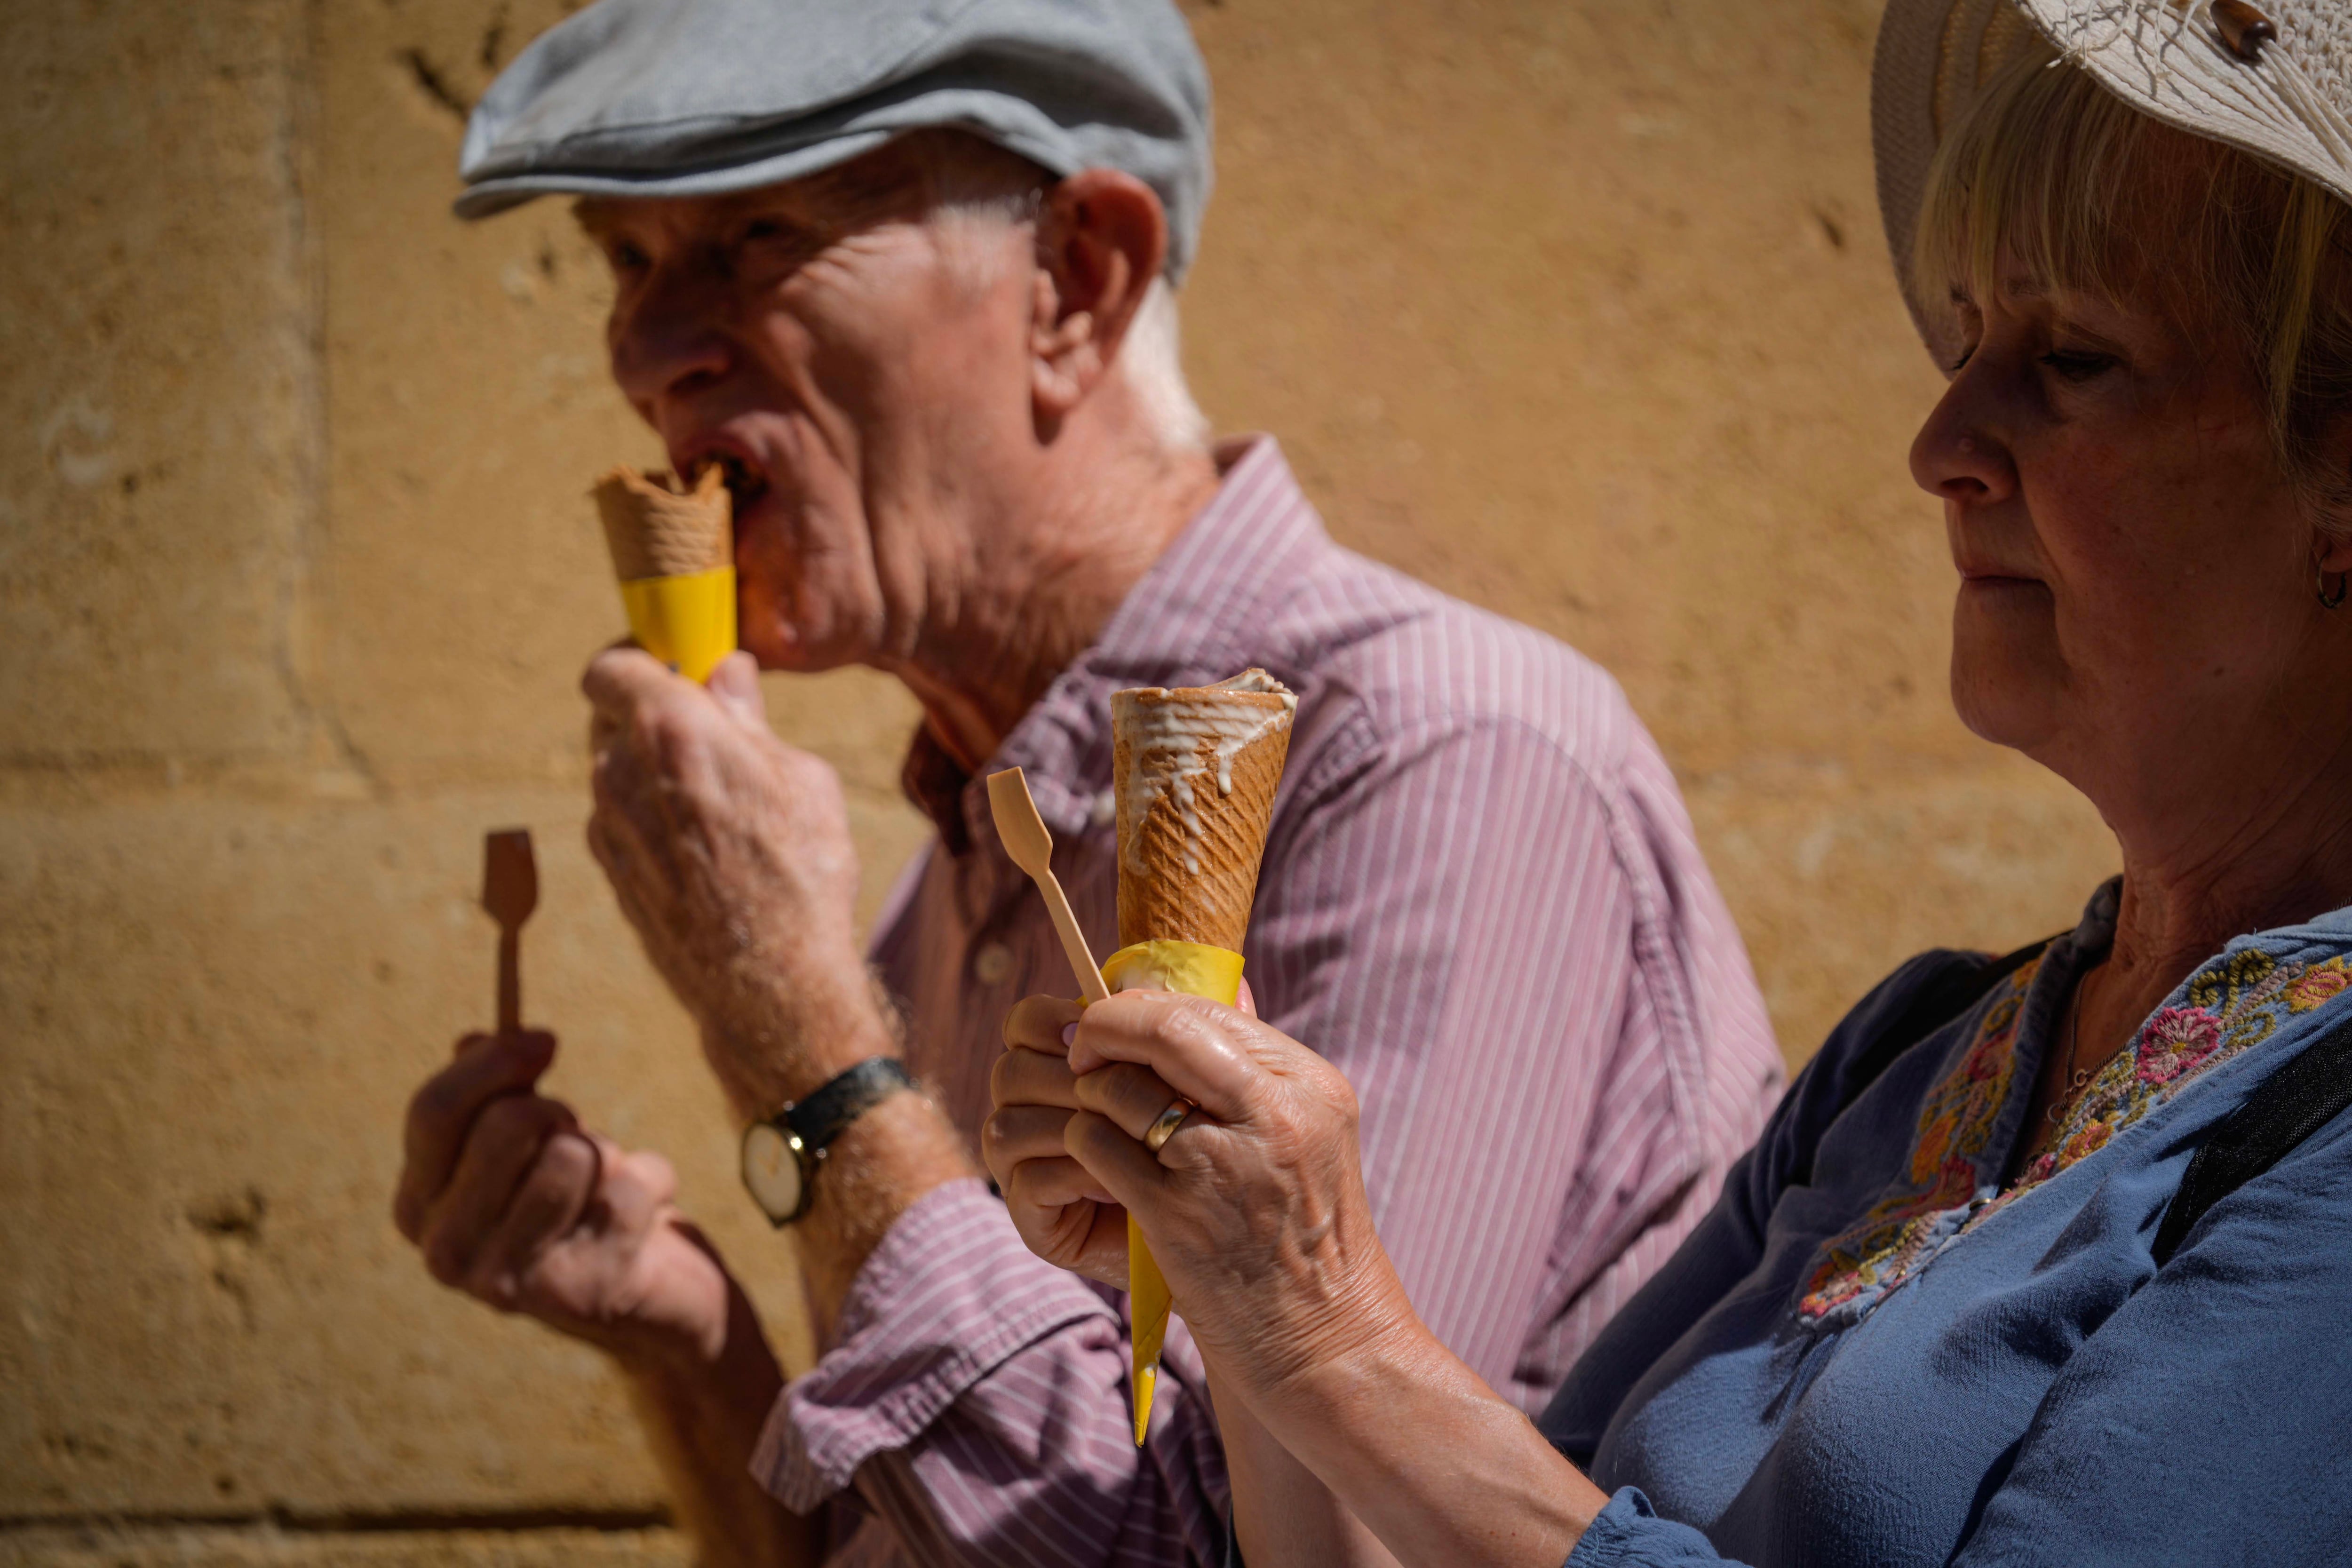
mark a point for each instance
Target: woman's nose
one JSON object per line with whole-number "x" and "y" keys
{"x": 1957, "y": 455}
{"x": 670, "y": 334}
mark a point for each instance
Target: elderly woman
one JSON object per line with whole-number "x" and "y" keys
{"x": 2045, "y": 1259}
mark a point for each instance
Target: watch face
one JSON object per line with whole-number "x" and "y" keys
{"x": 771, "y": 1169}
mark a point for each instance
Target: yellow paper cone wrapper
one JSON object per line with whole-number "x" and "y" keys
{"x": 1146, "y": 1297}
{"x": 1197, "y": 971}
{"x": 687, "y": 623}
{"x": 1186, "y": 966}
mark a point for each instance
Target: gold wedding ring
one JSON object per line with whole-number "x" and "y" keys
{"x": 1156, "y": 1136}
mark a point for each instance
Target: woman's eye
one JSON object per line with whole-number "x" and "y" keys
{"x": 2078, "y": 366}
{"x": 625, "y": 257}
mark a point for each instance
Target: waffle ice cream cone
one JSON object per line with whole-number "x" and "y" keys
{"x": 673, "y": 551}
{"x": 1194, "y": 771}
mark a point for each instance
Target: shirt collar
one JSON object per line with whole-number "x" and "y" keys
{"x": 1198, "y": 615}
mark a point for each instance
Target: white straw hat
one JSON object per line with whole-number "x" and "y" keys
{"x": 2274, "y": 77}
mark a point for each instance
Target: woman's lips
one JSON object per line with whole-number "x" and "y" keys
{"x": 1990, "y": 573}
{"x": 1993, "y": 588}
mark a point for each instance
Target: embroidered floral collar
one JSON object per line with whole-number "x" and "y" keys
{"x": 2234, "y": 1002}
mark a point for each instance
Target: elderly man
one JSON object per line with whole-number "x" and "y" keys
{"x": 905, "y": 269}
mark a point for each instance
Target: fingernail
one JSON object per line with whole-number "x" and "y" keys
{"x": 1069, "y": 1035}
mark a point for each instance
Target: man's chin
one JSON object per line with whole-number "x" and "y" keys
{"x": 779, "y": 647}
{"x": 787, "y": 658}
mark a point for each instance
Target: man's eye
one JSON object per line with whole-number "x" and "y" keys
{"x": 625, "y": 257}
{"x": 2078, "y": 366}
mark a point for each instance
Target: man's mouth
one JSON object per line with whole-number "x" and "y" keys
{"x": 745, "y": 479}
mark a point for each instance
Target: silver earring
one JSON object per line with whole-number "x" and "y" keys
{"x": 2326, "y": 601}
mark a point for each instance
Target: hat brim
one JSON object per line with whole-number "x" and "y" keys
{"x": 1916, "y": 81}
{"x": 484, "y": 199}
{"x": 1932, "y": 55}
{"x": 498, "y": 193}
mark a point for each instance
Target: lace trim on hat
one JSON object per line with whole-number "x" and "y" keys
{"x": 2157, "y": 39}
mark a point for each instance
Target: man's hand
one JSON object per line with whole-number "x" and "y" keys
{"x": 511, "y": 1201}
{"x": 731, "y": 856}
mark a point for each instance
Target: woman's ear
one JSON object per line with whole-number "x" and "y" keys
{"x": 1101, "y": 240}
{"x": 2332, "y": 552}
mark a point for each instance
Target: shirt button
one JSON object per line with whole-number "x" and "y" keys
{"x": 993, "y": 964}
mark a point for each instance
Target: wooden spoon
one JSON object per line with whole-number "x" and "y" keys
{"x": 509, "y": 892}
{"x": 1032, "y": 849}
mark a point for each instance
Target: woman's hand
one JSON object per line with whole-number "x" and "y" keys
{"x": 1255, "y": 1208}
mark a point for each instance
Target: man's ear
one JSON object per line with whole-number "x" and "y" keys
{"x": 1102, "y": 239}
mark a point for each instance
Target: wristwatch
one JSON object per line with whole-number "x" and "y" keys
{"x": 781, "y": 1155}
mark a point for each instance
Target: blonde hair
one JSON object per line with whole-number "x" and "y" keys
{"x": 2049, "y": 171}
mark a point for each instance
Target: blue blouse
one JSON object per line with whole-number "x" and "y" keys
{"x": 1873, "y": 1352}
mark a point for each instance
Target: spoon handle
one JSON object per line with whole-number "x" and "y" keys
{"x": 509, "y": 979}
{"x": 1073, "y": 941}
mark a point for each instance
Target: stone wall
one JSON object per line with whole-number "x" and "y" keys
{"x": 1576, "y": 307}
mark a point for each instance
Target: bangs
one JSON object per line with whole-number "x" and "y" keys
{"x": 2046, "y": 171}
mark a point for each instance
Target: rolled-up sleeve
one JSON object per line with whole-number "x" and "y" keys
{"x": 976, "y": 1399}
{"x": 1629, "y": 1534}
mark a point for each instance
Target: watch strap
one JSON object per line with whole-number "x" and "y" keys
{"x": 826, "y": 1114}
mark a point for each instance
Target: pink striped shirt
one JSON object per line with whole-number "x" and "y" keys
{"x": 1481, "y": 899}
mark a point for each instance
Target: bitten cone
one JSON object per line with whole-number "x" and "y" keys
{"x": 655, "y": 527}
{"x": 673, "y": 551}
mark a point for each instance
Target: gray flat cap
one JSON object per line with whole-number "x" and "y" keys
{"x": 677, "y": 97}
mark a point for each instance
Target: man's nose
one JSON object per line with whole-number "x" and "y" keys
{"x": 671, "y": 333}
{"x": 1959, "y": 453}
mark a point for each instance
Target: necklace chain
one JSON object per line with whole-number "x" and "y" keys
{"x": 2078, "y": 1078}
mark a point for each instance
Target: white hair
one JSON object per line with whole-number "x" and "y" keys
{"x": 1151, "y": 362}
{"x": 972, "y": 178}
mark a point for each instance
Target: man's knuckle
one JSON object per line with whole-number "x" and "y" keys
{"x": 661, "y": 1180}
{"x": 444, "y": 1260}
{"x": 494, "y": 1281}
{"x": 663, "y": 738}
{"x": 567, "y": 1165}
{"x": 434, "y": 1105}
{"x": 510, "y": 1119}
{"x": 500, "y": 1118}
